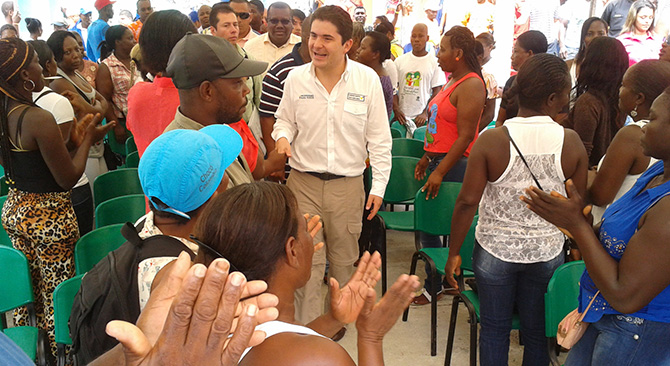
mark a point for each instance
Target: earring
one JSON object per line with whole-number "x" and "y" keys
{"x": 633, "y": 113}
{"x": 32, "y": 85}
{"x": 458, "y": 58}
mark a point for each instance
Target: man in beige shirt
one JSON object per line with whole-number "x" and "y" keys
{"x": 242, "y": 9}
{"x": 279, "y": 40}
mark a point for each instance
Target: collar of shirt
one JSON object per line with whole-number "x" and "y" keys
{"x": 345, "y": 74}
{"x": 291, "y": 41}
{"x": 295, "y": 53}
{"x": 186, "y": 123}
{"x": 150, "y": 229}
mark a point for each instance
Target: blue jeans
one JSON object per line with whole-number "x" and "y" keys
{"x": 620, "y": 340}
{"x": 454, "y": 175}
{"x": 502, "y": 285}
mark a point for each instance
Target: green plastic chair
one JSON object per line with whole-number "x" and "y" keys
{"x": 561, "y": 298}
{"x": 130, "y": 145}
{"x": 117, "y": 183}
{"x": 433, "y": 216}
{"x": 400, "y": 127}
{"x": 4, "y": 238}
{"x": 407, "y": 147}
{"x": 396, "y": 133}
{"x": 94, "y": 246}
{"x": 63, "y": 299}
{"x": 420, "y": 133}
{"x": 133, "y": 160}
{"x": 120, "y": 210}
{"x": 17, "y": 291}
{"x": 4, "y": 187}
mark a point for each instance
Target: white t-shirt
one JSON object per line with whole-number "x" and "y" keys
{"x": 417, "y": 76}
{"x": 55, "y": 103}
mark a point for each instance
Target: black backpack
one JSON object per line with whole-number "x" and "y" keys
{"x": 109, "y": 292}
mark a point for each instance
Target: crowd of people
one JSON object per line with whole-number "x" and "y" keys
{"x": 254, "y": 127}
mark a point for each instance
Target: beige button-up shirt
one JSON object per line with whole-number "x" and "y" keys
{"x": 262, "y": 49}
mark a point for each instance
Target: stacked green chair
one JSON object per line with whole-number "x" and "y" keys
{"x": 133, "y": 160}
{"x": 63, "y": 300}
{"x": 4, "y": 238}
{"x": 433, "y": 216}
{"x": 407, "y": 147}
{"x": 561, "y": 299}
{"x": 400, "y": 127}
{"x": 120, "y": 210}
{"x": 401, "y": 188}
{"x": 94, "y": 246}
{"x": 130, "y": 145}
{"x": 16, "y": 291}
{"x": 116, "y": 183}
{"x": 420, "y": 133}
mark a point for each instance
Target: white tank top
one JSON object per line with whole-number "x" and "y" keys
{"x": 276, "y": 327}
{"x": 507, "y": 229}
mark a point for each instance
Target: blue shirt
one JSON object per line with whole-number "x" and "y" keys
{"x": 96, "y": 34}
{"x": 11, "y": 354}
{"x": 620, "y": 222}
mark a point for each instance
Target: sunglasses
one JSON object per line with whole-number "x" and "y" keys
{"x": 275, "y": 21}
{"x": 243, "y": 15}
{"x": 211, "y": 252}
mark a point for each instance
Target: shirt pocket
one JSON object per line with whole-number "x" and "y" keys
{"x": 355, "y": 116}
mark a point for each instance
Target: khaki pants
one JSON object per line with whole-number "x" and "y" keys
{"x": 340, "y": 203}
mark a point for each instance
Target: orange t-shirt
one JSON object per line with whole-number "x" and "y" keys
{"x": 250, "y": 148}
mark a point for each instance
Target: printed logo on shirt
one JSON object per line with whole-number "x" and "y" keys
{"x": 356, "y": 97}
{"x": 413, "y": 78}
{"x": 306, "y": 96}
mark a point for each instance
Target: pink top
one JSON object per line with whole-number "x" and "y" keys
{"x": 640, "y": 47}
{"x": 151, "y": 108}
{"x": 122, "y": 80}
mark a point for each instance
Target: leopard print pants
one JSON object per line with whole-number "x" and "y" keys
{"x": 44, "y": 227}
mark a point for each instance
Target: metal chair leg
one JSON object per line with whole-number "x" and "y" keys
{"x": 473, "y": 341}
{"x": 452, "y": 330}
{"x": 412, "y": 270}
{"x": 382, "y": 242}
{"x": 553, "y": 351}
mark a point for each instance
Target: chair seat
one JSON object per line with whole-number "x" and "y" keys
{"x": 24, "y": 337}
{"x": 439, "y": 257}
{"x": 398, "y": 220}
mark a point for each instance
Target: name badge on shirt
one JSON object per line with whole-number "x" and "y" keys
{"x": 356, "y": 97}
{"x": 306, "y": 96}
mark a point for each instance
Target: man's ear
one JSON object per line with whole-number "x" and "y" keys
{"x": 348, "y": 44}
{"x": 206, "y": 90}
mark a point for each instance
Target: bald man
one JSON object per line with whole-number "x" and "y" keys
{"x": 419, "y": 79}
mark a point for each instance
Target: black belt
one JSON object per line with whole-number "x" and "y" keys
{"x": 326, "y": 176}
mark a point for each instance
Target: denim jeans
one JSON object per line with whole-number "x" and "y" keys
{"x": 454, "y": 175}
{"x": 622, "y": 340}
{"x": 501, "y": 285}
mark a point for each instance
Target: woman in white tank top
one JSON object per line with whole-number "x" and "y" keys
{"x": 258, "y": 229}
{"x": 516, "y": 251}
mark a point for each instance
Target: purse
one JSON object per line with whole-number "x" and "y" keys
{"x": 572, "y": 327}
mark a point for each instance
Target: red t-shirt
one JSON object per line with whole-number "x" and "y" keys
{"x": 250, "y": 148}
{"x": 442, "y": 131}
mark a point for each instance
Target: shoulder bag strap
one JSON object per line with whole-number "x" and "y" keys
{"x": 522, "y": 157}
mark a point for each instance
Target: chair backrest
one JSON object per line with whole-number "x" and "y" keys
{"x": 402, "y": 186}
{"x": 400, "y": 127}
{"x": 120, "y": 182}
{"x": 407, "y": 147}
{"x": 130, "y": 145}
{"x": 4, "y": 187}
{"x": 562, "y": 295}
{"x": 468, "y": 246}
{"x": 396, "y": 133}
{"x": 433, "y": 216}
{"x": 4, "y": 238}
{"x": 120, "y": 210}
{"x": 94, "y": 246}
{"x": 63, "y": 299}
{"x": 133, "y": 160}
{"x": 420, "y": 133}
{"x": 16, "y": 288}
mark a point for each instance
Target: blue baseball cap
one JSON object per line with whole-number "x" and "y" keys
{"x": 84, "y": 11}
{"x": 180, "y": 170}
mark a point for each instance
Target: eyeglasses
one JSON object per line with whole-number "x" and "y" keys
{"x": 212, "y": 253}
{"x": 666, "y": 40}
{"x": 275, "y": 21}
{"x": 243, "y": 15}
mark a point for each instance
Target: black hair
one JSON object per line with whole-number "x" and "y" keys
{"x": 7, "y": 27}
{"x": 486, "y": 38}
{"x": 540, "y": 76}
{"x": 44, "y": 53}
{"x": 385, "y": 25}
{"x": 219, "y": 8}
{"x": 462, "y": 38}
{"x": 253, "y": 239}
{"x": 479, "y": 49}
{"x": 108, "y": 45}
{"x": 381, "y": 44}
{"x": 585, "y": 30}
{"x": 180, "y": 220}
{"x": 33, "y": 25}
{"x": 160, "y": 33}
{"x": 277, "y": 5}
{"x": 259, "y": 5}
{"x": 336, "y": 16}
{"x": 297, "y": 13}
{"x": 56, "y": 41}
{"x": 649, "y": 77}
{"x": 601, "y": 73}
{"x": 533, "y": 40}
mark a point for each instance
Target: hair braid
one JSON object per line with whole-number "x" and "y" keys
{"x": 539, "y": 77}
{"x": 462, "y": 38}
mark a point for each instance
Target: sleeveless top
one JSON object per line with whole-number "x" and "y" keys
{"x": 627, "y": 184}
{"x": 89, "y": 96}
{"x": 619, "y": 224}
{"x": 30, "y": 171}
{"x": 442, "y": 131}
{"x": 276, "y": 327}
{"x": 507, "y": 229}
